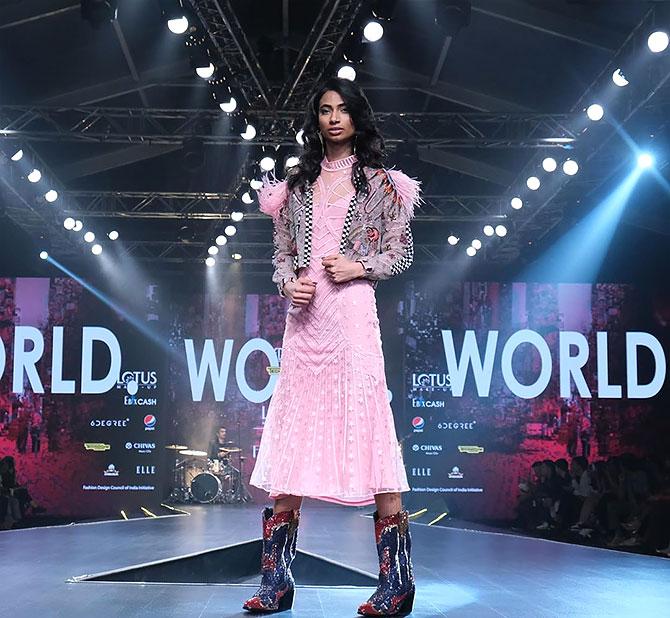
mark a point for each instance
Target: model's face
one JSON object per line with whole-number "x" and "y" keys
{"x": 222, "y": 434}
{"x": 335, "y": 123}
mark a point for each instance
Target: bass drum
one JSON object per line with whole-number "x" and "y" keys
{"x": 205, "y": 488}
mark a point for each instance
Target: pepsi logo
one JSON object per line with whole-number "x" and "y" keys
{"x": 418, "y": 423}
{"x": 149, "y": 422}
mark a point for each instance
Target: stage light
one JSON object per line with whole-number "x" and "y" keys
{"x": 178, "y": 25}
{"x": 236, "y": 215}
{"x": 488, "y": 230}
{"x": 221, "y": 240}
{"x": 373, "y": 31}
{"x": 595, "y": 112}
{"x": 516, "y": 203}
{"x": 658, "y": 41}
{"x": 236, "y": 256}
{"x": 51, "y": 196}
{"x": 249, "y": 132}
{"x": 228, "y": 106}
{"x": 230, "y": 230}
{"x": 533, "y": 183}
{"x": 453, "y": 240}
{"x": 471, "y": 251}
{"x": 246, "y": 198}
{"x": 346, "y": 71}
{"x": 549, "y": 165}
{"x": 18, "y": 155}
{"x": 35, "y": 176}
{"x": 96, "y": 249}
{"x": 501, "y": 231}
{"x": 113, "y": 235}
{"x": 476, "y": 243}
{"x": 78, "y": 225}
{"x": 267, "y": 164}
{"x": 205, "y": 72}
{"x": 645, "y": 160}
{"x": 213, "y": 250}
{"x": 68, "y": 224}
{"x": 89, "y": 237}
{"x": 44, "y": 255}
{"x": 570, "y": 167}
{"x": 210, "y": 261}
{"x": 619, "y": 78}
{"x": 256, "y": 184}
{"x": 292, "y": 161}
{"x": 300, "y": 137}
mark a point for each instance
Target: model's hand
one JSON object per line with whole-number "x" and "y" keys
{"x": 300, "y": 291}
{"x": 341, "y": 269}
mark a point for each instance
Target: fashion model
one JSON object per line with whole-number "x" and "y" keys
{"x": 341, "y": 224}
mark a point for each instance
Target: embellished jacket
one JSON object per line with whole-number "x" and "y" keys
{"x": 376, "y": 230}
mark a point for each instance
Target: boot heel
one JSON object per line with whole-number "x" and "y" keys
{"x": 286, "y": 602}
{"x": 407, "y": 605}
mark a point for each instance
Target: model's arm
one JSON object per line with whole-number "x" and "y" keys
{"x": 273, "y": 200}
{"x": 396, "y": 242}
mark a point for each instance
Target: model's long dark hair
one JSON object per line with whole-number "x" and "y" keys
{"x": 368, "y": 142}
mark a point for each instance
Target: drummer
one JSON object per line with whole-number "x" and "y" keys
{"x": 217, "y": 447}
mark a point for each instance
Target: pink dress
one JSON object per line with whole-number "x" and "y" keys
{"x": 329, "y": 431}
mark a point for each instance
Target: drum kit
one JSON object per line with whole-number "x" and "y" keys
{"x": 207, "y": 481}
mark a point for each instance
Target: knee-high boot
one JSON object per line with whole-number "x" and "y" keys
{"x": 395, "y": 592}
{"x": 280, "y": 533}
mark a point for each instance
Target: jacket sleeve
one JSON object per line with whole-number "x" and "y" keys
{"x": 273, "y": 200}
{"x": 401, "y": 195}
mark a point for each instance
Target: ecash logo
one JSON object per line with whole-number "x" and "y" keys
{"x": 455, "y": 426}
{"x": 427, "y": 449}
{"x": 110, "y": 422}
{"x": 131, "y": 400}
{"x": 149, "y": 422}
{"x": 421, "y": 471}
{"x": 141, "y": 447}
{"x": 145, "y": 470}
{"x": 455, "y": 473}
{"x": 420, "y": 402}
{"x": 418, "y": 423}
{"x": 111, "y": 470}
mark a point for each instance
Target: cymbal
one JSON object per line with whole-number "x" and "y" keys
{"x": 176, "y": 447}
{"x": 230, "y": 450}
{"x": 192, "y": 453}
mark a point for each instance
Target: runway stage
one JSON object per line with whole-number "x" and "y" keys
{"x": 458, "y": 572}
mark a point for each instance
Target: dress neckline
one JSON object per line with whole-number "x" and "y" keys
{"x": 339, "y": 164}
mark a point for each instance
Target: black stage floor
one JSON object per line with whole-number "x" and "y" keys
{"x": 458, "y": 572}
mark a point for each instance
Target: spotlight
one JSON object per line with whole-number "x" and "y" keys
{"x": 346, "y": 71}
{"x": 89, "y": 237}
{"x": 471, "y": 251}
{"x": 645, "y": 160}
{"x": 453, "y": 240}
{"x": 533, "y": 183}
{"x": 35, "y": 176}
{"x": 549, "y": 165}
{"x": 230, "y": 230}
{"x": 221, "y": 240}
{"x": 619, "y": 78}
{"x": 249, "y": 132}
{"x": 658, "y": 41}
{"x": 51, "y": 196}
{"x": 229, "y": 105}
{"x": 236, "y": 215}
{"x": 68, "y": 224}
{"x": 18, "y": 155}
{"x": 477, "y": 244}
{"x": 353, "y": 48}
{"x": 236, "y": 256}
{"x": 78, "y": 225}
{"x": 98, "y": 12}
{"x": 246, "y": 198}
{"x": 501, "y": 231}
{"x": 595, "y": 112}
{"x": 488, "y": 230}
{"x": 210, "y": 261}
{"x": 292, "y": 161}
{"x": 300, "y": 137}
{"x": 213, "y": 250}
{"x": 178, "y": 25}
{"x": 256, "y": 184}
{"x": 373, "y": 31}
{"x": 113, "y": 235}
{"x": 267, "y": 164}
{"x": 44, "y": 255}
{"x": 205, "y": 72}
{"x": 96, "y": 249}
{"x": 516, "y": 203}
{"x": 570, "y": 167}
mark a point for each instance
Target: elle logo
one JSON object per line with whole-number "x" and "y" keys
{"x": 145, "y": 469}
{"x": 420, "y": 471}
